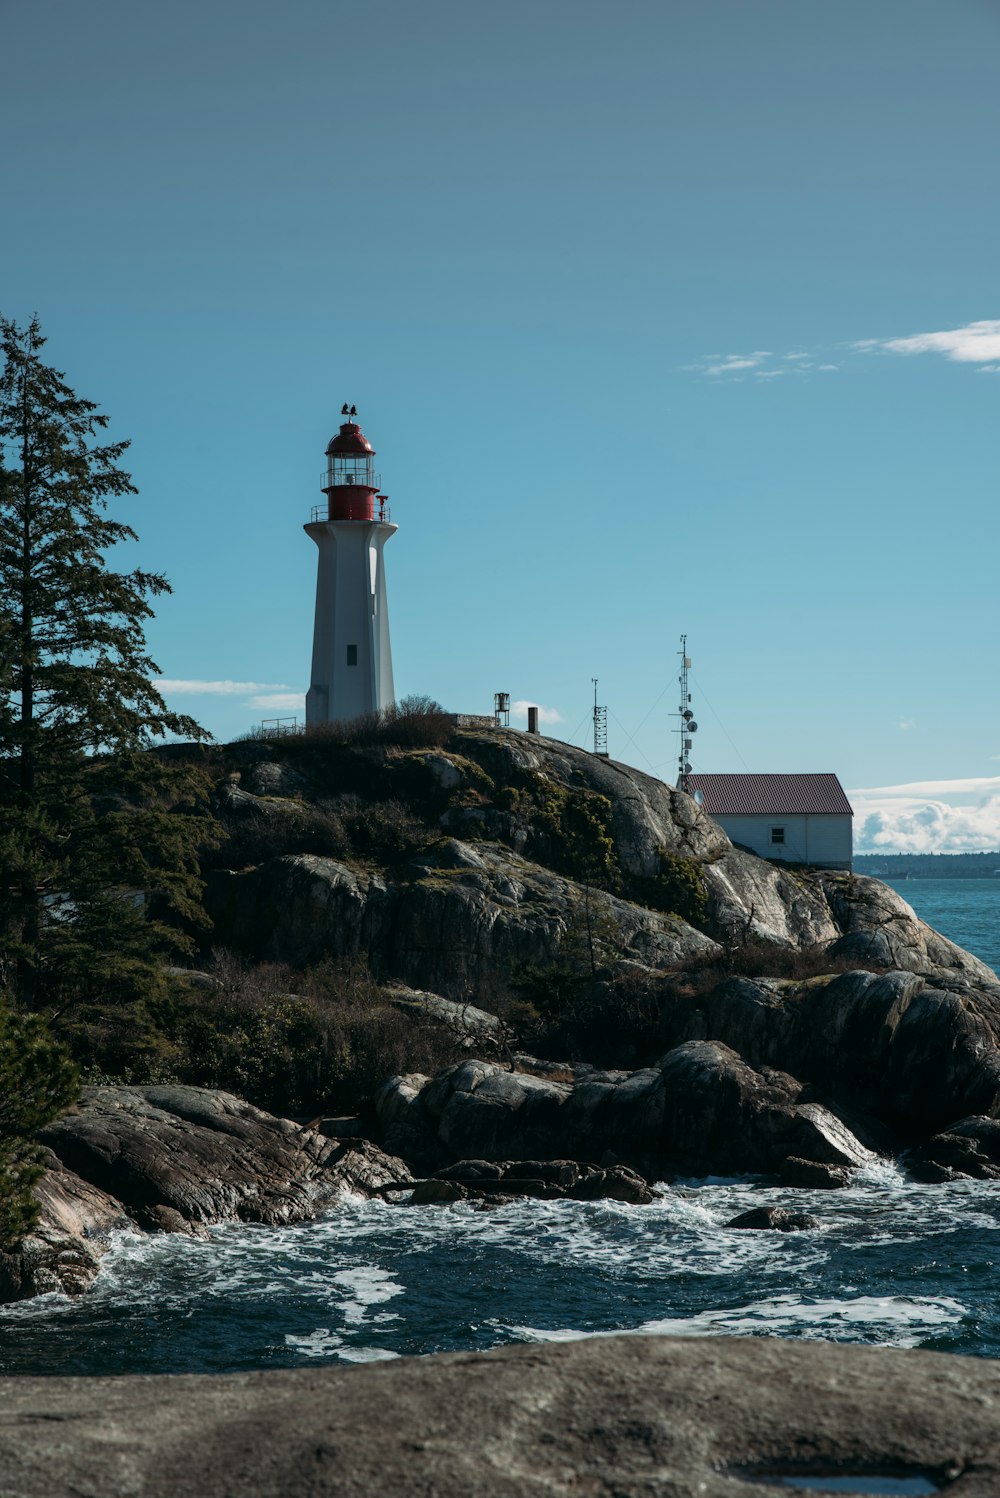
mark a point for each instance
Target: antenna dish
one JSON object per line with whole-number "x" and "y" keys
{"x": 699, "y": 798}
{"x": 692, "y": 726}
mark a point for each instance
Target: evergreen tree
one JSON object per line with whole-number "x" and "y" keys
{"x": 38, "y": 1082}
{"x": 99, "y": 836}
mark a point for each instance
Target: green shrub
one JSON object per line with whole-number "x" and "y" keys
{"x": 569, "y": 828}
{"x": 678, "y": 888}
{"x": 292, "y": 1043}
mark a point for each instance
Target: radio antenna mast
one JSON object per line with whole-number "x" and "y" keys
{"x": 600, "y": 726}
{"x": 687, "y": 724}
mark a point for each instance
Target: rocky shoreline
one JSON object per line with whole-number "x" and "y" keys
{"x": 175, "y": 1159}
{"x": 179, "y": 1159}
{"x": 806, "y": 1077}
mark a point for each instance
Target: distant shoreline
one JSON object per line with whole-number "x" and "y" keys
{"x": 928, "y": 865}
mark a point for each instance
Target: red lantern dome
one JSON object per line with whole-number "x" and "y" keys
{"x": 350, "y": 440}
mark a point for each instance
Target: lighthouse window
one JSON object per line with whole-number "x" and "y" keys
{"x": 777, "y": 833}
{"x": 352, "y": 655}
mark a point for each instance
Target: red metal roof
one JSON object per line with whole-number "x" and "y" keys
{"x": 771, "y": 795}
{"x": 350, "y": 439}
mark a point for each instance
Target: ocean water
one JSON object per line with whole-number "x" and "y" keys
{"x": 891, "y": 1262}
{"x": 965, "y": 910}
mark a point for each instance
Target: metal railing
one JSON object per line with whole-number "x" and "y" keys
{"x": 320, "y": 514}
{"x": 277, "y": 728}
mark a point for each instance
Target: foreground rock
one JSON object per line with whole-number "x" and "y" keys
{"x": 627, "y": 1416}
{"x": 174, "y": 1159}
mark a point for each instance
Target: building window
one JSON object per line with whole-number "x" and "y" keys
{"x": 777, "y": 835}
{"x": 352, "y": 658}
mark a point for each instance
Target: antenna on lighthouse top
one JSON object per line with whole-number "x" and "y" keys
{"x": 600, "y": 726}
{"x": 687, "y": 724}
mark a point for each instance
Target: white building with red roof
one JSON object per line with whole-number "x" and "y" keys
{"x": 793, "y": 818}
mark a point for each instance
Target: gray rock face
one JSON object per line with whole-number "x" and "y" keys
{"x": 904, "y": 1049}
{"x": 472, "y": 905}
{"x": 207, "y": 1155}
{"x": 171, "y": 1159}
{"x": 701, "y": 1110}
{"x": 623, "y": 1417}
{"x": 64, "y": 1250}
{"x": 447, "y": 928}
{"x": 967, "y": 1150}
{"x": 551, "y": 1180}
{"x": 878, "y": 924}
{"x": 471, "y": 1026}
{"x": 647, "y": 815}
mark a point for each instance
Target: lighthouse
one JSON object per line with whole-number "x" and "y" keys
{"x": 352, "y": 657}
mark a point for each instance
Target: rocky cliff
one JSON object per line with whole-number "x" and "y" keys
{"x": 502, "y": 844}
{"x": 777, "y": 1018}
{"x": 628, "y": 995}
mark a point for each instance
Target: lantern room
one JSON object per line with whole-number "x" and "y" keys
{"x": 349, "y": 456}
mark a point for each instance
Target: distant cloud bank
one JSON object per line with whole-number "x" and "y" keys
{"x": 928, "y": 816}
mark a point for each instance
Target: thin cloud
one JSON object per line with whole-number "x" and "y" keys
{"x": 185, "y": 687}
{"x": 279, "y": 702}
{"x": 973, "y": 343}
{"x": 971, "y": 785}
{"x": 726, "y": 364}
{"x": 762, "y": 365}
{"x": 545, "y": 714}
{"x": 906, "y": 723}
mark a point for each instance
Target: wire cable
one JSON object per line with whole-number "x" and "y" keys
{"x": 652, "y": 710}
{"x": 704, "y": 696}
{"x": 632, "y": 741}
{"x": 576, "y": 730}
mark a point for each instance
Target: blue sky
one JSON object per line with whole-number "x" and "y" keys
{"x": 663, "y": 317}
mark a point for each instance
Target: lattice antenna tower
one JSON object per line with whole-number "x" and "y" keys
{"x": 687, "y": 726}
{"x": 600, "y": 726}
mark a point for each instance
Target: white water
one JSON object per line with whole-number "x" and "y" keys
{"x": 892, "y": 1262}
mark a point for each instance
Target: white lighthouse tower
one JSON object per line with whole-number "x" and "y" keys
{"x": 352, "y": 657}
